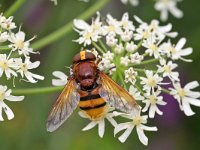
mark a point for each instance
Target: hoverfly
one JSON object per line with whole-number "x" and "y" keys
{"x": 91, "y": 89}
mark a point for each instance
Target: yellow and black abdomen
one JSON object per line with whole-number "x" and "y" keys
{"x": 92, "y": 104}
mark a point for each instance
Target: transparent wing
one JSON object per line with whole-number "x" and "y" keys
{"x": 64, "y": 106}
{"x": 116, "y": 96}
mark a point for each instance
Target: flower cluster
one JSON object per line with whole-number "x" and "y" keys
{"x": 142, "y": 57}
{"x": 14, "y": 44}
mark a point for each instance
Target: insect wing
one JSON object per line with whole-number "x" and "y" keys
{"x": 116, "y": 96}
{"x": 64, "y": 106}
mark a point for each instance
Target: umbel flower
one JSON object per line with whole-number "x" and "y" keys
{"x": 10, "y": 67}
{"x": 127, "y": 49}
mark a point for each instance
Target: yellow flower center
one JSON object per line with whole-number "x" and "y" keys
{"x": 24, "y": 67}
{"x": 167, "y": 69}
{"x": 152, "y": 99}
{"x": 151, "y": 82}
{"x": 2, "y": 96}
{"x": 172, "y": 50}
{"x": 124, "y": 23}
{"x": 20, "y": 44}
{"x": 137, "y": 120}
{"x": 111, "y": 28}
{"x": 181, "y": 92}
{"x": 145, "y": 34}
{"x": 3, "y": 65}
{"x": 153, "y": 47}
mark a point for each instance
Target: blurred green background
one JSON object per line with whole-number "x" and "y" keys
{"x": 27, "y": 130}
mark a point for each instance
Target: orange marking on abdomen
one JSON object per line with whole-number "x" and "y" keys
{"x": 94, "y": 108}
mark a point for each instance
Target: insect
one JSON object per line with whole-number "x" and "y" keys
{"x": 92, "y": 90}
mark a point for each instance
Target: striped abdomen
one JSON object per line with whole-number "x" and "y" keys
{"x": 92, "y": 103}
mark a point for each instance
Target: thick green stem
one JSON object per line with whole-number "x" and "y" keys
{"x": 68, "y": 27}
{"x": 14, "y": 7}
{"x": 36, "y": 90}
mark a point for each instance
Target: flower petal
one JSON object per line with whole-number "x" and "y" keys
{"x": 8, "y": 111}
{"x": 15, "y": 98}
{"x": 126, "y": 134}
{"x": 101, "y": 128}
{"x": 187, "y": 109}
{"x": 91, "y": 125}
{"x": 141, "y": 135}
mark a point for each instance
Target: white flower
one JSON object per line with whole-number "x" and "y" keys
{"x": 152, "y": 81}
{"x": 19, "y": 43}
{"x": 24, "y": 68}
{"x": 130, "y": 75}
{"x": 87, "y": 36}
{"x": 8, "y": 24}
{"x": 62, "y": 78}
{"x": 151, "y": 101}
{"x": 111, "y": 40}
{"x": 136, "y": 58}
{"x": 165, "y": 6}
{"x": 88, "y": 33}
{"x": 153, "y": 30}
{"x": 131, "y": 47}
{"x": 186, "y": 97}
{"x": 113, "y": 26}
{"x": 126, "y": 24}
{"x": 126, "y": 35}
{"x": 132, "y": 2}
{"x": 176, "y": 52}
{"x": 5, "y": 94}
{"x": 137, "y": 121}
{"x": 3, "y": 37}
{"x": 108, "y": 55}
{"x": 152, "y": 48}
{"x": 7, "y": 66}
{"x": 167, "y": 70}
{"x": 135, "y": 93}
{"x": 124, "y": 61}
{"x": 108, "y": 114}
{"x": 106, "y": 64}
{"x": 119, "y": 48}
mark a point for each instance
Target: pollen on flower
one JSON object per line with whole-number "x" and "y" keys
{"x": 152, "y": 99}
{"x": 181, "y": 92}
{"x": 152, "y": 82}
{"x": 137, "y": 120}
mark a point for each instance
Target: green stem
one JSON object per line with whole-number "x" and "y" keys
{"x": 14, "y": 7}
{"x": 97, "y": 47}
{"x": 139, "y": 89}
{"x": 166, "y": 90}
{"x": 147, "y": 62}
{"x": 122, "y": 81}
{"x": 36, "y": 90}
{"x": 68, "y": 27}
{"x": 4, "y": 48}
{"x": 103, "y": 46}
{"x": 138, "y": 46}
